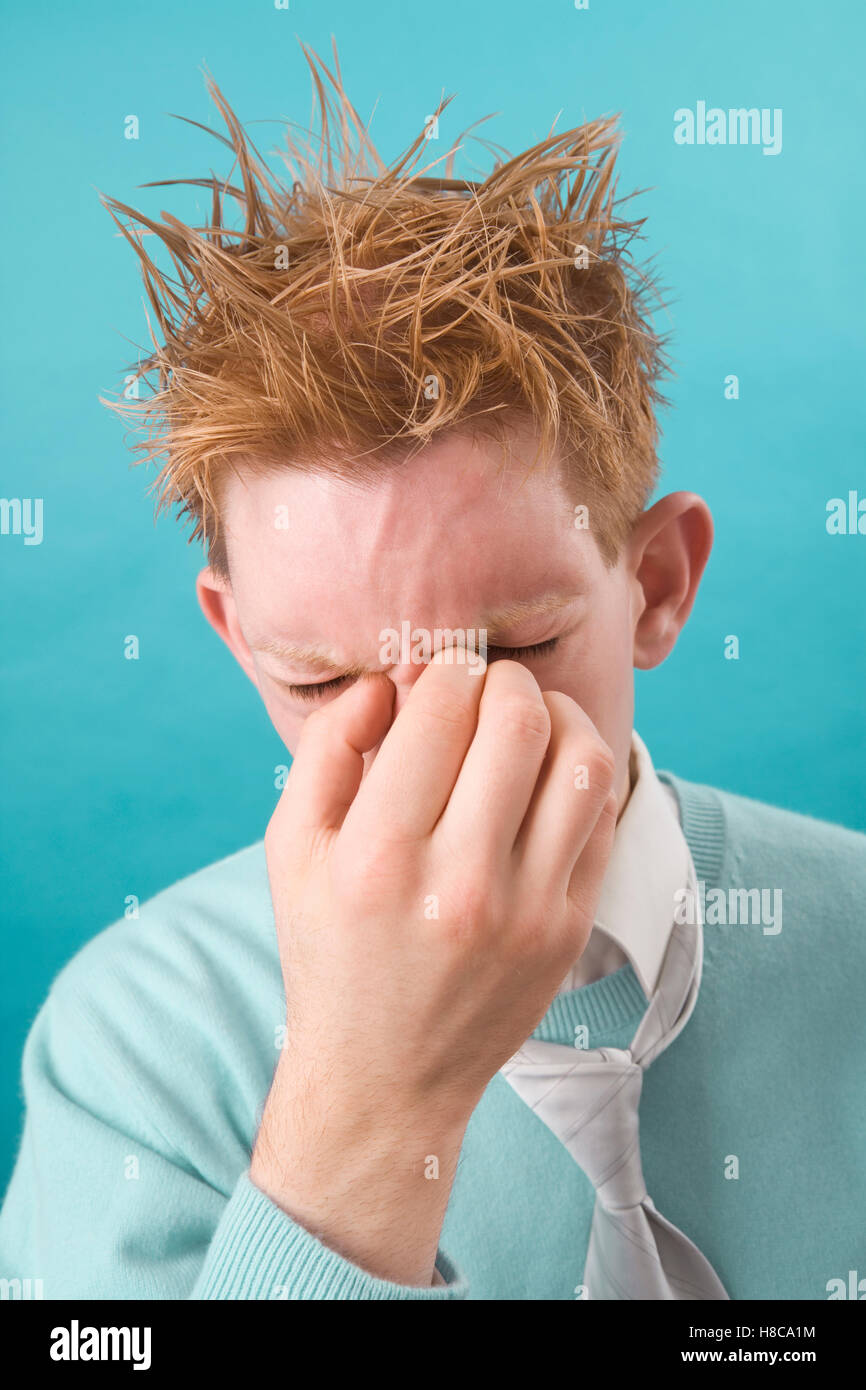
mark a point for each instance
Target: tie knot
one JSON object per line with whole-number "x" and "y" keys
{"x": 605, "y": 1136}
{"x": 590, "y": 1100}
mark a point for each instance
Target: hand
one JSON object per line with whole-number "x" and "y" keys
{"x": 426, "y": 914}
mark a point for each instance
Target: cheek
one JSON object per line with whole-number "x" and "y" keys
{"x": 595, "y": 665}
{"x": 285, "y": 717}
{"x": 597, "y": 674}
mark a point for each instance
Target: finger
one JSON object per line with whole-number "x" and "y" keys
{"x": 587, "y": 876}
{"x": 499, "y": 772}
{"x": 573, "y": 786}
{"x": 329, "y": 763}
{"x": 408, "y": 786}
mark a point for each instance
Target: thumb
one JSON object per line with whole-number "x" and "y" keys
{"x": 329, "y": 763}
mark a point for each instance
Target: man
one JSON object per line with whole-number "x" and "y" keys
{"x": 494, "y": 1011}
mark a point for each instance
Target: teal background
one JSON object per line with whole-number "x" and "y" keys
{"x": 121, "y": 776}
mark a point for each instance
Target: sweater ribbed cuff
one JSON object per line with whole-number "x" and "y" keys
{"x": 259, "y": 1252}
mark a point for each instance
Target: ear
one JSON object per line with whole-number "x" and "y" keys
{"x": 218, "y": 605}
{"x": 668, "y": 551}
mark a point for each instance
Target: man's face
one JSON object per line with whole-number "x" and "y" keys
{"x": 321, "y": 568}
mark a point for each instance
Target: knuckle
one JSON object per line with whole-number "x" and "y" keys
{"x": 532, "y": 939}
{"x": 379, "y": 873}
{"x": 524, "y": 718}
{"x": 442, "y": 710}
{"x": 469, "y": 910}
{"x": 371, "y": 864}
{"x": 607, "y": 818}
{"x": 601, "y": 763}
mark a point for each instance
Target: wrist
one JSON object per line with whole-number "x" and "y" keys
{"x": 371, "y": 1181}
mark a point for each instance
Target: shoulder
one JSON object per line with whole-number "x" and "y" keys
{"x": 188, "y": 933}
{"x": 757, "y": 828}
{"x": 819, "y": 866}
{"x": 171, "y": 1009}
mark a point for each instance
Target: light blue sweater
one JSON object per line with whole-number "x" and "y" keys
{"x": 146, "y": 1071}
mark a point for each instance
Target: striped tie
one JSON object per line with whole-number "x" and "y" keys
{"x": 590, "y": 1100}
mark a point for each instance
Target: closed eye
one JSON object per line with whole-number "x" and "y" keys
{"x": 515, "y": 653}
{"x": 312, "y": 692}
{"x": 320, "y": 688}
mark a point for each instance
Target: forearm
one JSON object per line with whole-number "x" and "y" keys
{"x": 370, "y": 1181}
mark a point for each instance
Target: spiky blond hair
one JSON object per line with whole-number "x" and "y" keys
{"x": 361, "y": 309}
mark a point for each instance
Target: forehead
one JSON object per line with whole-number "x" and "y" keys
{"x": 456, "y": 527}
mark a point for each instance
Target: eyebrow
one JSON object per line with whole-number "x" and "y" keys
{"x": 320, "y": 659}
{"x": 312, "y": 657}
{"x": 527, "y": 608}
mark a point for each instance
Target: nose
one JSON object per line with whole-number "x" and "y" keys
{"x": 403, "y": 675}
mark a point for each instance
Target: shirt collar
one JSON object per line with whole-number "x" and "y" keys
{"x": 649, "y": 861}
